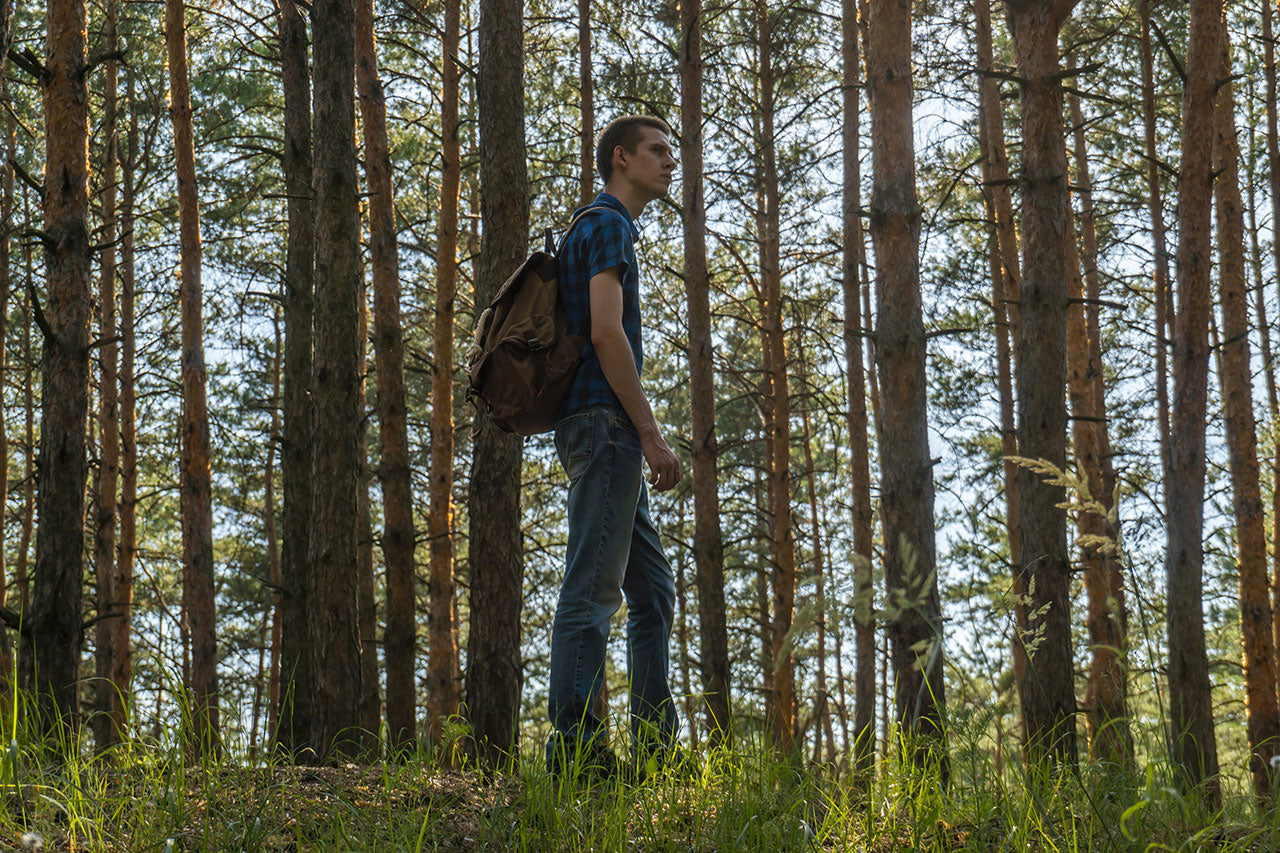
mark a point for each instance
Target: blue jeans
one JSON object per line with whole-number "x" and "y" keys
{"x": 613, "y": 552}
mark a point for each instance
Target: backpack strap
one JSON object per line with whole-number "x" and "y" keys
{"x": 575, "y": 221}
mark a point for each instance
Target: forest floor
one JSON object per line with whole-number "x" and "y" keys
{"x": 739, "y": 801}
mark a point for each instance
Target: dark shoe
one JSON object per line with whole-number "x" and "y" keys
{"x": 592, "y": 762}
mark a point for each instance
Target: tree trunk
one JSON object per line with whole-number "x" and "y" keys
{"x": 197, "y": 506}
{"x": 708, "y": 543}
{"x": 273, "y": 546}
{"x": 393, "y": 436}
{"x": 1273, "y": 172}
{"x": 6, "y": 222}
{"x": 54, "y": 620}
{"x": 293, "y": 729}
{"x": 334, "y": 574}
{"x": 1048, "y": 693}
{"x": 26, "y": 668}
{"x": 852, "y": 250}
{"x": 1162, "y": 296}
{"x": 442, "y": 641}
{"x": 913, "y": 613}
{"x": 778, "y": 412}
{"x": 586, "y": 177}
{"x": 494, "y": 669}
{"x": 106, "y": 696}
{"x": 1106, "y": 698}
{"x": 1002, "y": 259}
{"x": 1242, "y": 442}
{"x": 127, "y": 545}
{"x": 822, "y": 719}
{"x": 366, "y": 595}
{"x": 1194, "y": 748}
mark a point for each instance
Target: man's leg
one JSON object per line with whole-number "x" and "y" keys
{"x": 603, "y": 461}
{"x": 651, "y": 595}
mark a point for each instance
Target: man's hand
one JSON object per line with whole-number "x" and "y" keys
{"x": 664, "y": 465}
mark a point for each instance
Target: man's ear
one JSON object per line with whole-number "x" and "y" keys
{"x": 619, "y": 151}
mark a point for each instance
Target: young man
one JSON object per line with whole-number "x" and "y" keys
{"x": 605, "y": 434}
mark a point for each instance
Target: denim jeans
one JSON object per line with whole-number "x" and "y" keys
{"x": 613, "y": 552}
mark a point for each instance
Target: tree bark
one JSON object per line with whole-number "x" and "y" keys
{"x": 443, "y": 687}
{"x": 852, "y": 252}
{"x": 1106, "y": 709}
{"x": 335, "y": 377}
{"x": 55, "y": 627}
{"x": 106, "y": 695}
{"x": 366, "y": 595}
{"x": 494, "y": 669}
{"x": 1002, "y": 260}
{"x": 1163, "y": 297}
{"x": 778, "y": 407}
{"x": 293, "y": 728}
{"x": 1194, "y": 748}
{"x": 197, "y": 505}
{"x": 127, "y": 544}
{"x": 1242, "y": 441}
{"x": 913, "y": 610}
{"x": 1273, "y": 172}
{"x": 388, "y": 344}
{"x": 586, "y": 177}
{"x": 1048, "y": 692}
{"x": 7, "y": 680}
{"x": 708, "y": 543}
{"x": 273, "y": 544}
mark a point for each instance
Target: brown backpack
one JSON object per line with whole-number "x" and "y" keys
{"x": 522, "y": 362}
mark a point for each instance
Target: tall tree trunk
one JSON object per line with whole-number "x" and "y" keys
{"x": 293, "y": 729}
{"x": 273, "y": 547}
{"x": 914, "y": 617}
{"x": 708, "y": 543}
{"x": 822, "y": 718}
{"x": 106, "y": 696}
{"x": 1194, "y": 748}
{"x": 1155, "y": 206}
{"x": 996, "y": 160}
{"x": 6, "y": 223}
{"x": 393, "y": 435}
{"x": 494, "y": 670}
{"x": 55, "y": 632}
{"x": 366, "y": 595}
{"x": 127, "y": 544}
{"x": 1242, "y": 441}
{"x": 1002, "y": 259}
{"x": 197, "y": 505}
{"x": 852, "y": 251}
{"x": 1106, "y": 698}
{"x": 26, "y": 668}
{"x": 586, "y": 177}
{"x": 442, "y": 640}
{"x": 335, "y": 377}
{"x": 778, "y": 410}
{"x": 1048, "y": 693}
{"x": 1273, "y": 174}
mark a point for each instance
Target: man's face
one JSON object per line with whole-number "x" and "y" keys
{"x": 651, "y": 167}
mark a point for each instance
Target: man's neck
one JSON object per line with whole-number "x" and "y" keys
{"x": 632, "y": 199}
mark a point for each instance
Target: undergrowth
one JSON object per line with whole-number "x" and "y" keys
{"x": 148, "y": 796}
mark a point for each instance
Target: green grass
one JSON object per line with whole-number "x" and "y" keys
{"x": 148, "y": 797}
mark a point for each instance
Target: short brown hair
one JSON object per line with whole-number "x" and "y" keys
{"x": 627, "y": 132}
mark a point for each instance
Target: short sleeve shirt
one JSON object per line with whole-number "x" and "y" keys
{"x": 602, "y": 239}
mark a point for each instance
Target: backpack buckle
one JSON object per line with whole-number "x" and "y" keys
{"x": 532, "y": 340}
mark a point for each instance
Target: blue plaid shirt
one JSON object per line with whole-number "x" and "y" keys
{"x": 601, "y": 240}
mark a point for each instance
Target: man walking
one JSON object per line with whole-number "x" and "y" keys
{"x": 606, "y": 431}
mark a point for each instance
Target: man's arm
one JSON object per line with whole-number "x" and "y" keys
{"x": 619, "y": 365}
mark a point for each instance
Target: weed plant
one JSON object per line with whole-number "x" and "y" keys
{"x": 151, "y": 796}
